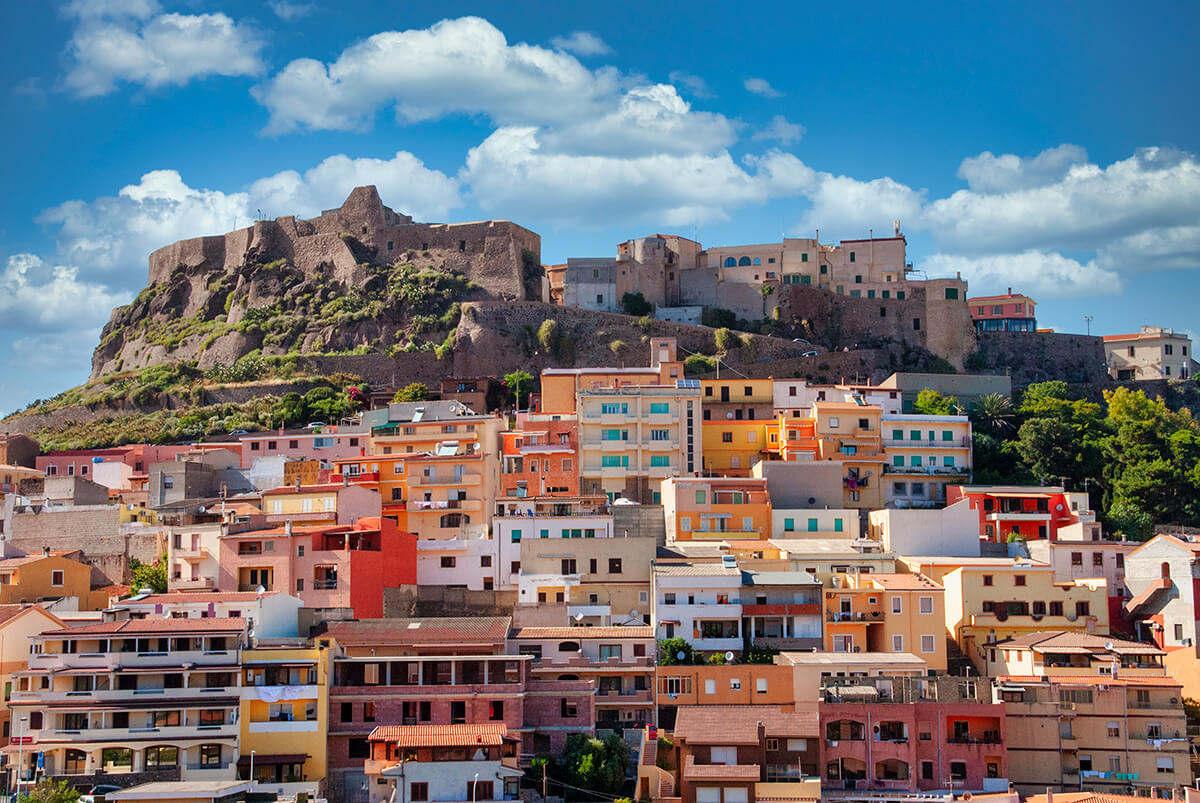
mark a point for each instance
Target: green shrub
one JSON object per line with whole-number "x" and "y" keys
{"x": 699, "y": 364}
{"x": 726, "y": 339}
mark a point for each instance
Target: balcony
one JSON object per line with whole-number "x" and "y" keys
{"x": 255, "y": 586}
{"x": 284, "y": 726}
{"x": 588, "y": 610}
{"x": 197, "y": 554}
{"x": 1017, "y": 515}
{"x": 611, "y": 697}
{"x": 875, "y": 617}
{"x": 118, "y": 695}
{"x": 443, "y": 504}
{"x": 783, "y": 609}
{"x": 111, "y": 661}
{"x": 927, "y": 471}
{"x": 956, "y": 443}
{"x": 328, "y": 584}
{"x": 752, "y": 534}
{"x": 193, "y": 584}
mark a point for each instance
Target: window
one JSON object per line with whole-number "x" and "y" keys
{"x": 1076, "y": 558}
{"x": 916, "y": 324}
{"x": 735, "y": 684}
{"x": 1166, "y": 764}
{"x": 485, "y": 561}
{"x": 568, "y": 566}
{"x": 897, "y": 605}
{"x": 1114, "y": 730}
{"x": 701, "y": 496}
{"x": 726, "y": 437}
{"x": 834, "y": 422}
{"x": 760, "y": 685}
{"x": 958, "y": 770}
{"x": 166, "y": 719}
{"x": 897, "y": 643}
{"x": 852, "y": 256}
{"x": 614, "y": 565}
{"x": 496, "y": 710}
{"x": 1056, "y": 608}
{"x": 926, "y": 604}
{"x": 449, "y": 561}
{"x": 567, "y": 708}
{"x": 1098, "y": 559}
{"x": 987, "y": 579}
{"x": 418, "y": 791}
{"x": 1178, "y": 632}
{"x": 1019, "y": 580}
{"x": 212, "y": 716}
{"x": 928, "y": 645}
{"x": 1083, "y": 608}
{"x": 56, "y": 577}
{"x": 789, "y": 525}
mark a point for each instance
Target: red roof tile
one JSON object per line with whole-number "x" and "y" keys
{"x": 719, "y": 772}
{"x": 738, "y": 724}
{"x": 563, "y": 633}
{"x": 488, "y": 734}
{"x": 195, "y": 597}
{"x": 167, "y": 627}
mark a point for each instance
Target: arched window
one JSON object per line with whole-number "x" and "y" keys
{"x": 730, "y": 262}
{"x": 568, "y": 646}
{"x": 744, "y": 262}
{"x": 454, "y": 520}
{"x": 568, "y": 677}
{"x": 162, "y": 756}
{"x": 75, "y": 762}
{"x": 1166, "y": 571}
{"x": 758, "y": 260}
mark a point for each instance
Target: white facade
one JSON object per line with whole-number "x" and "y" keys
{"x": 951, "y": 531}
{"x": 468, "y": 561}
{"x": 510, "y": 531}
{"x": 1166, "y": 558}
{"x": 1152, "y": 353}
{"x": 690, "y": 601}
{"x": 814, "y": 523}
{"x": 1082, "y": 560}
{"x": 447, "y": 781}
{"x": 193, "y": 557}
{"x": 271, "y": 615}
{"x": 113, "y": 475}
{"x": 795, "y": 397}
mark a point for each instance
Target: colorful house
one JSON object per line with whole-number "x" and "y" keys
{"x": 1018, "y": 512}
{"x": 716, "y": 508}
{"x": 887, "y": 613}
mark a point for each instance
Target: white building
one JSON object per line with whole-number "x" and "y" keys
{"x": 794, "y": 398}
{"x": 471, "y": 560}
{"x": 1152, "y": 353}
{"x": 443, "y": 763}
{"x": 814, "y": 523}
{"x": 193, "y": 557}
{"x": 139, "y": 699}
{"x": 700, "y": 603}
{"x": 951, "y": 531}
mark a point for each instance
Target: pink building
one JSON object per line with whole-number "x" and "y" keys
{"x": 80, "y": 462}
{"x": 911, "y": 735}
{"x": 325, "y": 444}
{"x": 326, "y": 566}
{"x": 440, "y": 671}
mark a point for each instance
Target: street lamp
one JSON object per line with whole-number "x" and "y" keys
{"x": 474, "y": 784}
{"x": 20, "y": 751}
{"x": 252, "y": 752}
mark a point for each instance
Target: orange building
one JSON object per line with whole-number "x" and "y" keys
{"x": 707, "y": 508}
{"x": 383, "y": 473}
{"x": 560, "y": 386}
{"x": 540, "y": 457}
{"x": 898, "y": 613}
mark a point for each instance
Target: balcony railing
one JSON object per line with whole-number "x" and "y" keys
{"x": 325, "y": 585}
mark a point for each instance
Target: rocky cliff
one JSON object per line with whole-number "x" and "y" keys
{"x": 359, "y": 277}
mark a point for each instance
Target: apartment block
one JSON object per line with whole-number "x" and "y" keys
{"x": 18, "y": 625}
{"x": 341, "y": 566}
{"x": 887, "y": 613}
{"x": 902, "y": 735}
{"x": 417, "y": 427}
{"x": 809, "y": 672}
{"x": 328, "y": 503}
{"x": 131, "y": 701}
{"x": 700, "y": 603}
{"x": 1164, "y": 605}
{"x": 738, "y": 399}
{"x": 800, "y": 523}
{"x": 1153, "y": 353}
{"x": 1091, "y": 713}
{"x": 1010, "y": 312}
{"x": 988, "y": 604}
{"x": 323, "y": 444}
{"x": 193, "y": 557}
{"x": 851, "y": 434}
{"x": 451, "y": 489}
{"x": 728, "y": 754}
{"x": 925, "y": 454}
{"x": 1023, "y": 512}
{"x": 541, "y": 457}
{"x": 439, "y": 672}
{"x": 716, "y": 508}
{"x": 753, "y": 685}
{"x": 271, "y": 614}
{"x": 794, "y": 398}
{"x": 599, "y": 581}
{"x": 619, "y": 659}
{"x": 733, "y": 448}
{"x": 781, "y": 609}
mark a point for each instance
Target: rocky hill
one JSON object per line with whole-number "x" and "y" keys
{"x": 360, "y": 277}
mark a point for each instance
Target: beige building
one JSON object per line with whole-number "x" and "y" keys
{"x": 601, "y": 581}
{"x": 810, "y": 668}
{"x": 1152, "y": 353}
{"x": 989, "y": 604}
{"x": 1090, "y": 713}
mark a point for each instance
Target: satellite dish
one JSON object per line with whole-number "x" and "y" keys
{"x": 681, "y": 655}
{"x": 729, "y": 657}
{"x": 1108, "y": 645}
{"x": 579, "y": 617}
{"x": 633, "y": 612}
{"x": 260, "y": 590}
{"x": 200, "y": 509}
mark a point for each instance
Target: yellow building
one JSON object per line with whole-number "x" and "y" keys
{"x": 851, "y": 433}
{"x": 49, "y": 575}
{"x": 1090, "y": 712}
{"x": 731, "y": 448}
{"x": 451, "y": 487}
{"x": 925, "y": 453}
{"x": 285, "y": 711}
{"x": 716, "y": 508}
{"x": 887, "y": 613}
{"x": 988, "y": 604}
{"x": 328, "y": 503}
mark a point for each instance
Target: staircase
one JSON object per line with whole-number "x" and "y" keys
{"x": 666, "y": 786}
{"x": 650, "y": 752}
{"x": 957, "y": 663}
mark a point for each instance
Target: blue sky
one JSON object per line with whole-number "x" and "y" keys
{"x": 1050, "y": 147}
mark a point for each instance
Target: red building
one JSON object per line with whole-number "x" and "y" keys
{"x": 541, "y": 456}
{"x": 911, "y": 735}
{"x": 1010, "y": 312}
{"x": 440, "y": 671}
{"x": 1027, "y": 512}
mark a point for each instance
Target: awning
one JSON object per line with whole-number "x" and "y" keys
{"x": 279, "y": 758}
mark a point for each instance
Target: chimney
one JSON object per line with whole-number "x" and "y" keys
{"x": 297, "y": 483}
{"x": 45, "y": 552}
{"x": 287, "y": 527}
{"x": 1010, "y": 291}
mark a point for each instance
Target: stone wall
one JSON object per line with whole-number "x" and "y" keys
{"x": 411, "y": 600}
{"x": 94, "y": 530}
{"x": 1042, "y": 356}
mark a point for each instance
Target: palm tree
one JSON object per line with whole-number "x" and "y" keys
{"x": 993, "y": 414}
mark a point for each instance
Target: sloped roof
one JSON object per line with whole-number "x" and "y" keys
{"x": 738, "y": 724}
{"x": 575, "y": 633}
{"x": 166, "y": 627}
{"x": 487, "y": 734}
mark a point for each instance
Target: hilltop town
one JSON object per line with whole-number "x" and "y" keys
{"x": 363, "y": 509}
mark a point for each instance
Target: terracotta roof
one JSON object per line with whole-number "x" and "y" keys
{"x": 1086, "y": 797}
{"x": 902, "y": 582}
{"x": 1089, "y": 680}
{"x": 719, "y": 772}
{"x": 488, "y": 734}
{"x": 1052, "y": 640}
{"x": 168, "y": 627}
{"x": 194, "y": 597}
{"x": 9, "y": 612}
{"x": 304, "y": 489}
{"x": 634, "y": 631}
{"x": 738, "y": 724}
{"x": 8, "y": 563}
{"x": 433, "y": 630}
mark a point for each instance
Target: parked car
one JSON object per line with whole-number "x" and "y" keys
{"x": 809, "y": 354}
{"x": 801, "y": 340}
{"x": 99, "y": 790}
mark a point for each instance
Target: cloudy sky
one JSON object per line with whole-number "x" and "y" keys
{"x": 1050, "y": 147}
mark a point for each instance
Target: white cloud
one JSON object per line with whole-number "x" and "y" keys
{"x": 461, "y": 66}
{"x": 988, "y": 173}
{"x": 113, "y": 236}
{"x": 108, "y": 9}
{"x": 510, "y": 174}
{"x": 582, "y": 43}
{"x": 1174, "y": 248}
{"x": 1087, "y": 208}
{"x": 696, "y": 85}
{"x": 781, "y": 131}
{"x": 847, "y": 207}
{"x": 41, "y": 297}
{"x": 1040, "y": 274}
{"x": 289, "y": 11}
{"x": 760, "y": 86}
{"x": 121, "y": 41}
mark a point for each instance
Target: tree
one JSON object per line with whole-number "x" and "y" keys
{"x": 717, "y": 659}
{"x": 754, "y": 654}
{"x": 597, "y": 765}
{"x": 993, "y": 414}
{"x": 1134, "y": 524}
{"x": 519, "y": 382}
{"x": 547, "y": 336}
{"x": 636, "y": 304}
{"x": 726, "y": 340}
{"x": 50, "y": 791}
{"x": 149, "y": 575}
{"x": 699, "y": 364}
{"x": 288, "y": 411}
{"x": 931, "y": 402}
{"x": 412, "y": 392}
{"x": 672, "y": 648}
{"x": 716, "y": 317}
